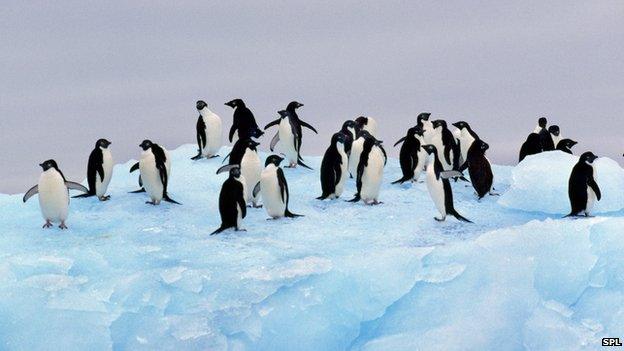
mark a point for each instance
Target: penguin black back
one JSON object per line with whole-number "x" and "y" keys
{"x": 408, "y": 156}
{"x": 231, "y": 200}
{"x": 244, "y": 121}
{"x": 581, "y": 178}
{"x": 531, "y": 146}
{"x": 95, "y": 166}
{"x": 479, "y": 168}
{"x": 239, "y": 149}
{"x": 331, "y": 170}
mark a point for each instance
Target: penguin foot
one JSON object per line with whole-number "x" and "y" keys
{"x": 47, "y": 224}
{"x": 375, "y": 203}
{"x": 62, "y": 225}
{"x": 105, "y": 198}
{"x": 439, "y": 219}
{"x": 195, "y": 158}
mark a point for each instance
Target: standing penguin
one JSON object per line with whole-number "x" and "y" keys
{"x": 439, "y": 186}
{"x": 232, "y": 205}
{"x": 99, "y": 170}
{"x": 466, "y": 137}
{"x": 155, "y": 167}
{"x": 480, "y": 169}
{"x": 425, "y": 124}
{"x": 334, "y": 168}
{"x": 244, "y": 124}
{"x": 245, "y": 154}
{"x": 349, "y": 129}
{"x": 53, "y": 190}
{"x": 583, "y": 190}
{"x": 274, "y": 189}
{"x": 555, "y": 135}
{"x": 412, "y": 156}
{"x": 208, "y": 132}
{"x": 532, "y": 146}
{"x": 566, "y": 145}
{"x": 289, "y": 136}
{"x": 545, "y": 137}
{"x": 370, "y": 171}
{"x": 368, "y": 124}
{"x": 446, "y": 145}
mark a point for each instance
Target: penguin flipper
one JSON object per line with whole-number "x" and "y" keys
{"x": 304, "y": 124}
{"x": 281, "y": 180}
{"x": 273, "y": 123}
{"x": 226, "y": 157}
{"x": 594, "y": 186}
{"x": 289, "y": 214}
{"x": 232, "y": 131}
{"x": 134, "y": 167}
{"x": 274, "y": 141}
{"x": 168, "y": 199}
{"x": 458, "y": 216}
{"x": 31, "y": 192}
{"x": 226, "y": 168}
{"x": 400, "y": 141}
{"x": 76, "y": 186}
{"x": 256, "y": 189}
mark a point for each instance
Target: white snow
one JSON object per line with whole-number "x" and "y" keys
{"x": 127, "y": 275}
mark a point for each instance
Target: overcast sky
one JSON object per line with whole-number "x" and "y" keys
{"x": 74, "y": 71}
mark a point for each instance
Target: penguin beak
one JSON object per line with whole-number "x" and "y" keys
{"x": 41, "y": 165}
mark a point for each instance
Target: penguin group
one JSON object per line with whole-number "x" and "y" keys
{"x": 354, "y": 151}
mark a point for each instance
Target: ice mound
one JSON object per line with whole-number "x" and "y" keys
{"x": 540, "y": 184}
{"x": 344, "y": 277}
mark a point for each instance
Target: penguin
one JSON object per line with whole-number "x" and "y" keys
{"x": 465, "y": 137}
{"x": 446, "y": 145}
{"x": 99, "y": 170}
{"x": 208, "y": 131}
{"x": 356, "y": 150}
{"x": 480, "y": 169}
{"x": 583, "y": 190}
{"x": 53, "y": 190}
{"x": 439, "y": 186}
{"x": 566, "y": 145}
{"x": 244, "y": 124}
{"x": 532, "y": 146}
{"x": 274, "y": 189}
{"x": 245, "y": 154}
{"x": 370, "y": 171}
{"x": 542, "y": 122}
{"x": 368, "y": 124}
{"x": 232, "y": 207}
{"x": 555, "y": 135}
{"x": 135, "y": 167}
{"x": 412, "y": 156}
{"x": 349, "y": 129}
{"x": 289, "y": 133}
{"x": 545, "y": 137}
{"x": 425, "y": 124}
{"x": 155, "y": 167}
{"x": 334, "y": 167}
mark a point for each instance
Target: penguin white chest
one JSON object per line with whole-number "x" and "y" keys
{"x": 53, "y": 196}
{"x": 591, "y": 196}
{"x": 372, "y": 176}
{"x": 271, "y": 192}
{"x": 107, "y": 165}
{"x": 428, "y": 131}
{"x": 287, "y": 141}
{"x": 436, "y": 189}
{"x": 213, "y": 132}
{"x": 465, "y": 141}
{"x": 151, "y": 176}
{"x": 344, "y": 170}
{"x": 356, "y": 152}
{"x": 250, "y": 170}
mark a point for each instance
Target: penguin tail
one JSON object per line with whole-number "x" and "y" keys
{"x": 168, "y": 199}
{"x": 89, "y": 194}
{"x": 289, "y": 214}
{"x": 221, "y": 228}
{"x": 459, "y": 217}
{"x": 356, "y": 198}
{"x": 197, "y": 157}
{"x": 322, "y": 197}
{"x": 400, "y": 181}
{"x": 142, "y": 190}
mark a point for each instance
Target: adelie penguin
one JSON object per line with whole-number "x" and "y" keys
{"x": 155, "y": 167}
{"x": 53, "y": 190}
{"x": 426, "y": 125}
{"x": 274, "y": 189}
{"x": 232, "y": 206}
{"x": 370, "y": 171}
{"x": 566, "y": 145}
{"x": 290, "y": 133}
{"x": 208, "y": 132}
{"x": 446, "y": 145}
{"x": 349, "y": 129}
{"x": 412, "y": 156}
{"x": 583, "y": 190}
{"x": 466, "y": 136}
{"x": 334, "y": 168}
{"x": 546, "y": 140}
{"x": 439, "y": 186}
{"x": 480, "y": 169}
{"x": 244, "y": 123}
{"x": 555, "y": 135}
{"x": 368, "y": 124}
{"x": 245, "y": 154}
{"x": 99, "y": 170}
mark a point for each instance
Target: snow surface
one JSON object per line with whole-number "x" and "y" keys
{"x": 127, "y": 275}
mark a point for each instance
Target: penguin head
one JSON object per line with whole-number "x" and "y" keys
{"x": 567, "y": 143}
{"x": 251, "y": 144}
{"x": 554, "y": 130}
{"x": 48, "y": 164}
{"x": 255, "y": 132}
{"x": 481, "y": 145}
{"x": 461, "y": 125}
{"x": 542, "y": 122}
{"x": 430, "y": 149}
{"x": 146, "y": 144}
{"x": 273, "y": 160}
{"x": 361, "y": 122}
{"x": 361, "y": 133}
{"x": 415, "y": 131}
{"x": 235, "y": 103}
{"x": 102, "y": 143}
{"x": 294, "y": 105}
{"x": 588, "y": 157}
{"x": 201, "y": 104}
{"x": 439, "y": 123}
{"x": 424, "y": 116}
{"x": 339, "y": 137}
{"x": 349, "y": 124}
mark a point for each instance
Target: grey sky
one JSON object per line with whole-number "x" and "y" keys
{"x": 76, "y": 71}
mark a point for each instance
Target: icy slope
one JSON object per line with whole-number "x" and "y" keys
{"x": 131, "y": 276}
